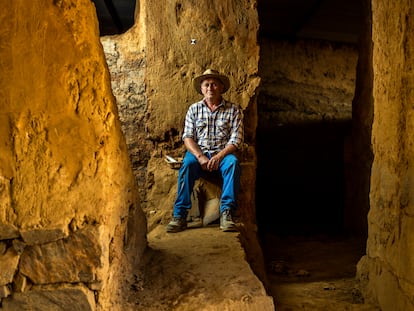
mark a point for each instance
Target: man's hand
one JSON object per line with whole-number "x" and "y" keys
{"x": 209, "y": 164}
{"x": 214, "y": 163}
{"x": 203, "y": 160}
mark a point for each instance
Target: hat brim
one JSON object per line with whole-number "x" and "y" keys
{"x": 197, "y": 81}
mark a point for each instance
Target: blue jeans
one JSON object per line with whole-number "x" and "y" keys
{"x": 191, "y": 170}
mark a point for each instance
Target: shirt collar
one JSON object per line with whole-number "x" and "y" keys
{"x": 222, "y": 103}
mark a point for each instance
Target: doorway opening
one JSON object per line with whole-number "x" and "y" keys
{"x": 300, "y": 177}
{"x": 309, "y": 53}
{"x": 115, "y": 17}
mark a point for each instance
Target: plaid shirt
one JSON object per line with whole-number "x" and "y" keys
{"x": 213, "y": 131}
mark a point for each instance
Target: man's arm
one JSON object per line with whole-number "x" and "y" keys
{"x": 230, "y": 148}
{"x": 193, "y": 147}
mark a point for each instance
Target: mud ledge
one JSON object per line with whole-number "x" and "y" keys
{"x": 201, "y": 269}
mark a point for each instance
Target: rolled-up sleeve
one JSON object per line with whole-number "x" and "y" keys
{"x": 237, "y": 132}
{"x": 189, "y": 124}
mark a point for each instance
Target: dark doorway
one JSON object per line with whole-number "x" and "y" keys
{"x": 303, "y": 154}
{"x": 302, "y": 150}
{"x": 300, "y": 178}
{"x": 115, "y": 16}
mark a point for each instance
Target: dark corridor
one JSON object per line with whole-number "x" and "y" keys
{"x": 302, "y": 167}
{"x": 300, "y": 178}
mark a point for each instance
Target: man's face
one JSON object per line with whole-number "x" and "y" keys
{"x": 212, "y": 88}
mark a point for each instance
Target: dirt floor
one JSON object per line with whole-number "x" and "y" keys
{"x": 314, "y": 272}
{"x": 206, "y": 269}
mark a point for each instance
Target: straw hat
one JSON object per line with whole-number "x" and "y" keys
{"x": 211, "y": 73}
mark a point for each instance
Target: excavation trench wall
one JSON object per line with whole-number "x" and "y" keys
{"x": 152, "y": 66}
{"x": 387, "y": 269}
{"x": 71, "y": 228}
